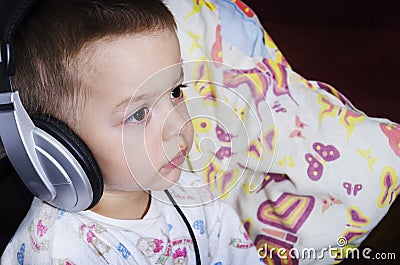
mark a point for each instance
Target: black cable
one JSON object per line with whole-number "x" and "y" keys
{"x": 189, "y": 227}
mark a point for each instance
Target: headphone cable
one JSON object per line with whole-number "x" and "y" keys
{"x": 185, "y": 220}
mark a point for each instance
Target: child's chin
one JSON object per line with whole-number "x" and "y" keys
{"x": 169, "y": 180}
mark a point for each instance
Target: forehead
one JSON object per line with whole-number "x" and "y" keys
{"x": 120, "y": 65}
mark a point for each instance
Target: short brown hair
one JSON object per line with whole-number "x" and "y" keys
{"x": 47, "y": 44}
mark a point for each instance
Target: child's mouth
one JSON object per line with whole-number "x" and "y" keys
{"x": 177, "y": 160}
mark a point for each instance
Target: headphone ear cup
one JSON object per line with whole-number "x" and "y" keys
{"x": 62, "y": 133}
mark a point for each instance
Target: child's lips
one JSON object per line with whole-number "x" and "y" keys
{"x": 177, "y": 160}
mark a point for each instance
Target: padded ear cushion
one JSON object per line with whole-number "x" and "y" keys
{"x": 62, "y": 133}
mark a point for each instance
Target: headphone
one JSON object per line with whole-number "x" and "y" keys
{"x": 52, "y": 161}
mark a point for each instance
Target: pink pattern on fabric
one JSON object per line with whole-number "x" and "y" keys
{"x": 89, "y": 234}
{"x": 180, "y": 253}
{"x": 159, "y": 246}
{"x": 41, "y": 229}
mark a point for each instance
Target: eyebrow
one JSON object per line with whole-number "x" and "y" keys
{"x": 125, "y": 102}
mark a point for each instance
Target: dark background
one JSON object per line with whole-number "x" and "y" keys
{"x": 351, "y": 45}
{"x": 355, "y": 47}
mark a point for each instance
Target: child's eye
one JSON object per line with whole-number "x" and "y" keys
{"x": 177, "y": 91}
{"x": 138, "y": 116}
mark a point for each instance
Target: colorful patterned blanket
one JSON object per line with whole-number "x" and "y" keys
{"x": 301, "y": 165}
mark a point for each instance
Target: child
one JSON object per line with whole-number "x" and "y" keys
{"x": 86, "y": 60}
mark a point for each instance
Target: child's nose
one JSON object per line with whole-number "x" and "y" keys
{"x": 176, "y": 123}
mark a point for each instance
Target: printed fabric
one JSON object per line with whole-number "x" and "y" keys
{"x": 299, "y": 163}
{"x": 51, "y": 236}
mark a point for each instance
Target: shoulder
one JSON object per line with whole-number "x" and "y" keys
{"x": 45, "y": 234}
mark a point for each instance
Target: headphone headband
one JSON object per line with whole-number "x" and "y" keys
{"x": 12, "y": 13}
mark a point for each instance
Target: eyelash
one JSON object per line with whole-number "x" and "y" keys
{"x": 146, "y": 110}
{"x": 180, "y": 86}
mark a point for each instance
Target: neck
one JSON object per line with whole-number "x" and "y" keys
{"x": 125, "y": 205}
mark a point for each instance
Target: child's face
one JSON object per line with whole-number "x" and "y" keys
{"x": 134, "y": 140}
